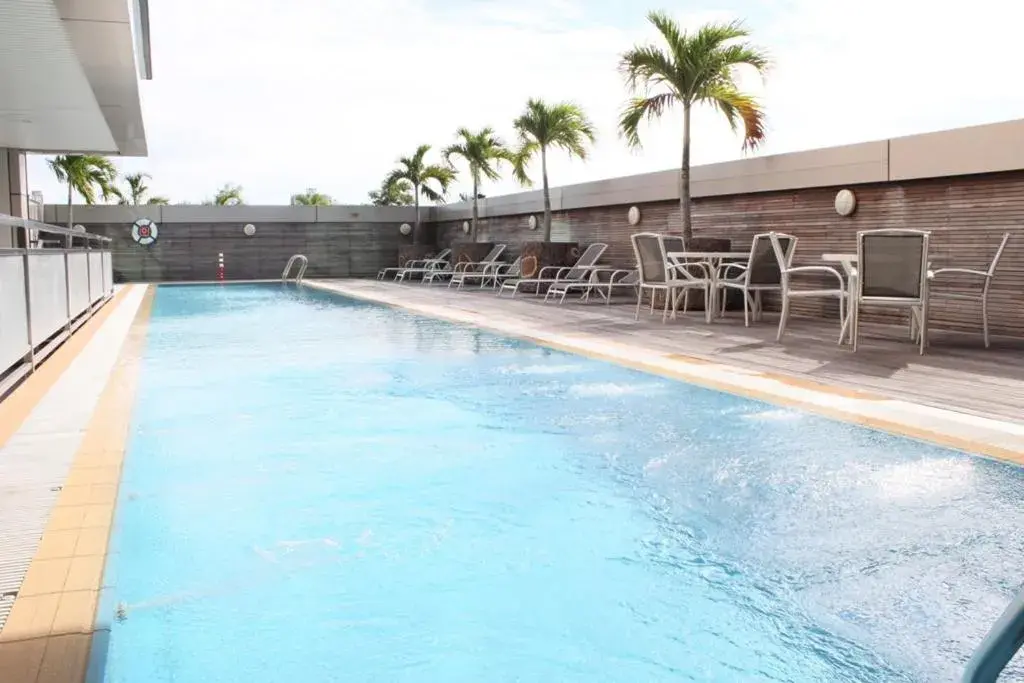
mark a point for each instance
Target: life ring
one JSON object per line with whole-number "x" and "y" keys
{"x": 145, "y": 231}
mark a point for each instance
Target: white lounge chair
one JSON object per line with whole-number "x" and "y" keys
{"x": 465, "y": 266}
{"x": 549, "y": 275}
{"x": 617, "y": 278}
{"x": 393, "y": 271}
{"x": 482, "y": 271}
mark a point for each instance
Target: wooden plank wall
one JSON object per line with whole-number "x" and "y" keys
{"x": 188, "y": 251}
{"x": 967, "y": 216}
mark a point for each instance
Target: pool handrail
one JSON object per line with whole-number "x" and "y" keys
{"x": 1001, "y": 643}
{"x": 303, "y": 262}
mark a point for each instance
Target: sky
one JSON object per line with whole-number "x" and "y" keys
{"x": 282, "y": 95}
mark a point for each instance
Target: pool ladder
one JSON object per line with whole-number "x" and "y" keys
{"x": 1000, "y": 645}
{"x": 303, "y": 262}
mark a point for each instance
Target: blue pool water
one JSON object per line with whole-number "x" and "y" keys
{"x": 323, "y": 490}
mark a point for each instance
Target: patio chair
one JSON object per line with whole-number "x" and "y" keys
{"x": 974, "y": 295}
{"x": 412, "y": 263}
{"x": 784, "y": 247}
{"x": 892, "y": 271}
{"x": 761, "y": 273}
{"x": 549, "y": 275}
{"x": 439, "y": 262}
{"x": 619, "y": 277}
{"x": 656, "y": 274}
{"x": 468, "y": 270}
{"x": 501, "y": 272}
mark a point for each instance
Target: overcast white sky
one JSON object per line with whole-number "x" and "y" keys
{"x": 281, "y": 95}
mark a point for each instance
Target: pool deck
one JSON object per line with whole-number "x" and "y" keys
{"x": 62, "y": 441}
{"x": 958, "y": 394}
{"x": 63, "y": 432}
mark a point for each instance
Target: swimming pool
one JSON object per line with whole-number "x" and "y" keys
{"x": 318, "y": 489}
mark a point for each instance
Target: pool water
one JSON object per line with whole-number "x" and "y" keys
{"x": 318, "y": 489}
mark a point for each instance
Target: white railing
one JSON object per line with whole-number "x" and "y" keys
{"x": 46, "y": 293}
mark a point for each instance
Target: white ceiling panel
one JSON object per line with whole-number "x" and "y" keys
{"x": 46, "y": 100}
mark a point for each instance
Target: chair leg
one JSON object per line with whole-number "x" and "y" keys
{"x": 923, "y": 322}
{"x": 757, "y": 307}
{"x": 664, "y": 308}
{"x": 855, "y": 327}
{"x": 746, "y": 308}
{"x": 639, "y": 297}
{"x": 709, "y": 304}
{"x": 984, "y": 319}
{"x": 783, "y": 316}
{"x": 843, "y": 322}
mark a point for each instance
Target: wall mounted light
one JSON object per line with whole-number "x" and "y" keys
{"x": 846, "y": 202}
{"x": 634, "y": 215}
{"x": 465, "y": 226}
{"x": 249, "y": 230}
{"x": 532, "y": 222}
{"x": 405, "y": 228}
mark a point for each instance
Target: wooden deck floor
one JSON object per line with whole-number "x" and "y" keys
{"x": 956, "y": 372}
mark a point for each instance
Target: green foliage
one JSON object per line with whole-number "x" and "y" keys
{"x": 86, "y": 174}
{"x": 228, "y": 195}
{"x": 430, "y": 180}
{"x": 542, "y": 126}
{"x": 483, "y": 152}
{"x": 397, "y": 193}
{"x": 311, "y": 198}
{"x": 687, "y": 69}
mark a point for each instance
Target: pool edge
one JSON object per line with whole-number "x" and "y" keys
{"x": 834, "y": 402}
{"x": 65, "y": 649}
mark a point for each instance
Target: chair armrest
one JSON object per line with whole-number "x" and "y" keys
{"x": 958, "y": 271}
{"x": 705, "y": 266}
{"x": 818, "y": 269}
{"x": 723, "y": 267}
{"x": 547, "y": 269}
{"x": 622, "y": 275}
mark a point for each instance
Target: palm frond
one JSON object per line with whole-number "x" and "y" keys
{"x": 740, "y": 108}
{"x": 646, "y": 67}
{"x": 639, "y": 109}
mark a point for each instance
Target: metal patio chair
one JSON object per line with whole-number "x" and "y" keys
{"x": 761, "y": 273}
{"x": 986, "y": 283}
{"x": 892, "y": 271}
{"x": 413, "y": 263}
{"x": 656, "y": 274}
{"x": 784, "y": 247}
{"x": 475, "y": 270}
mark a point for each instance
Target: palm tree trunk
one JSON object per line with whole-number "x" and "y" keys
{"x": 684, "y": 178}
{"x": 417, "y": 238}
{"x": 71, "y": 221}
{"x": 547, "y": 193}
{"x": 476, "y": 209}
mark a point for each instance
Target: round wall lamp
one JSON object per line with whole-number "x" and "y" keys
{"x": 465, "y": 226}
{"x": 634, "y": 215}
{"x": 846, "y": 202}
{"x": 249, "y": 230}
{"x": 532, "y": 222}
{"x": 78, "y": 228}
{"x": 405, "y": 228}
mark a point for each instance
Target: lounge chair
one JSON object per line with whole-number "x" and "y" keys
{"x": 465, "y": 266}
{"x": 549, "y": 275}
{"x": 412, "y": 263}
{"x": 484, "y": 271}
{"x": 429, "y": 266}
{"x": 619, "y": 277}
{"x": 502, "y": 272}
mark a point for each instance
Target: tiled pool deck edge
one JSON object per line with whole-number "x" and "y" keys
{"x": 49, "y": 634}
{"x": 986, "y": 436}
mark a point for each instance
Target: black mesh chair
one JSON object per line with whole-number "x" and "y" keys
{"x": 656, "y": 274}
{"x": 761, "y": 273}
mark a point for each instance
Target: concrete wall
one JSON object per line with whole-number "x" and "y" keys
{"x": 339, "y": 241}
{"x": 13, "y": 190}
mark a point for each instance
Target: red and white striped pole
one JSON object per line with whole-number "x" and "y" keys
{"x": 220, "y": 266}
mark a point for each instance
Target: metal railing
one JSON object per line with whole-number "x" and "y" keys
{"x": 1003, "y": 641}
{"x": 303, "y": 262}
{"x": 51, "y": 281}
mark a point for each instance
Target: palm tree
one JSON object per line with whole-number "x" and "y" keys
{"x": 562, "y": 125}
{"x": 85, "y": 174}
{"x": 421, "y": 177}
{"x": 163, "y": 201}
{"x": 398, "y": 193}
{"x": 698, "y": 67}
{"x": 482, "y": 151}
{"x": 228, "y": 195}
{"x": 137, "y": 189}
{"x": 311, "y": 198}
